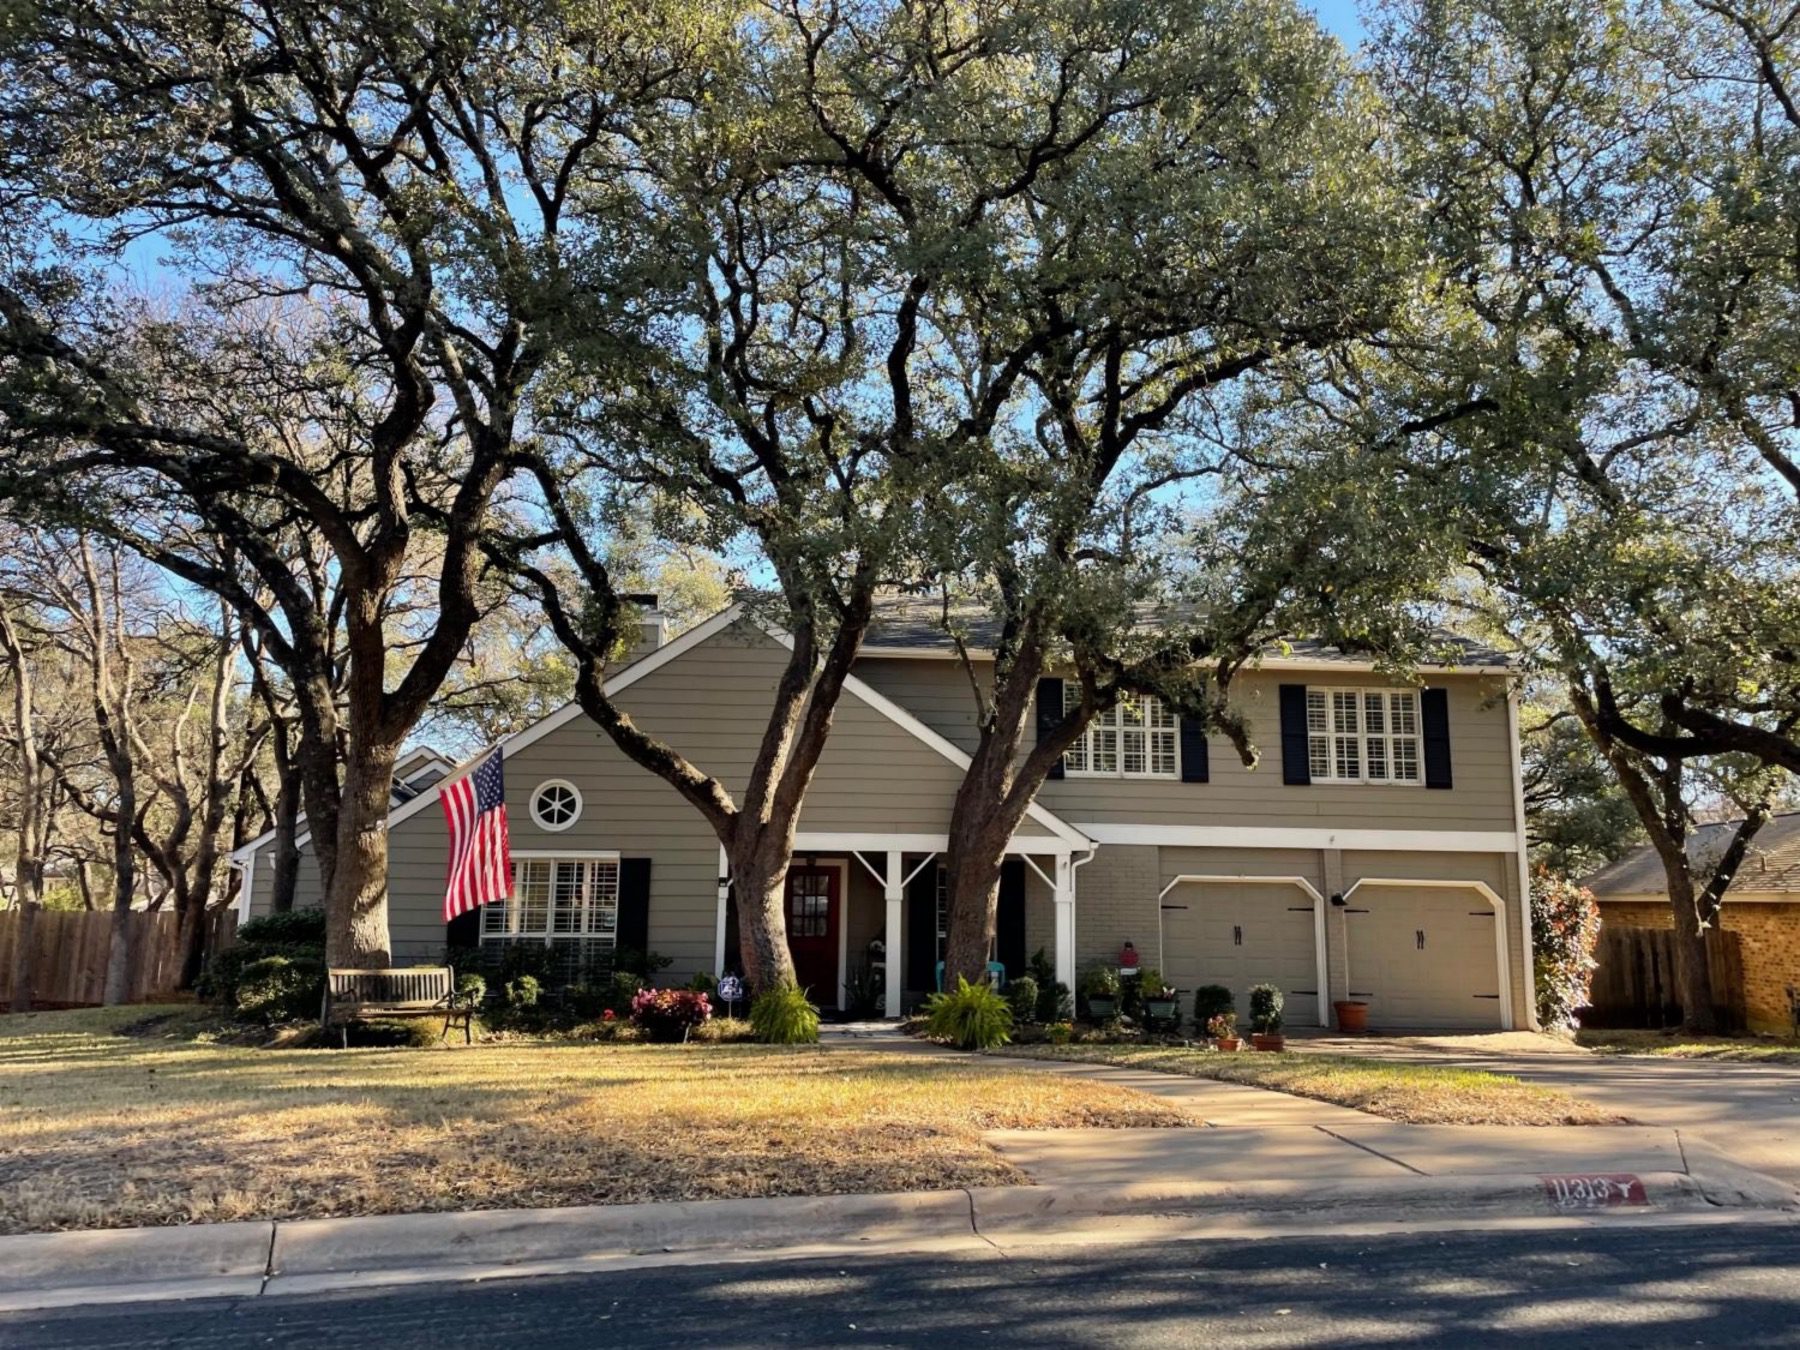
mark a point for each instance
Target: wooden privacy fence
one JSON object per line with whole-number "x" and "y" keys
{"x": 1634, "y": 983}
{"x": 69, "y": 950}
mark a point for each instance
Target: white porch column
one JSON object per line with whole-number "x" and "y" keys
{"x": 724, "y": 898}
{"x": 1065, "y": 920}
{"x": 894, "y": 892}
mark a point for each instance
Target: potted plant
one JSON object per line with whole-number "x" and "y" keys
{"x": 1352, "y": 1016}
{"x": 1210, "y": 1000}
{"x": 1162, "y": 1006}
{"x": 1265, "y": 1018}
{"x": 1222, "y": 1027}
{"x": 1100, "y": 987}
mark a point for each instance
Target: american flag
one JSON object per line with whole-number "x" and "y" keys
{"x": 480, "y": 859}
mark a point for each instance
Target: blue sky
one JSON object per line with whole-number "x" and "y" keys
{"x": 1340, "y": 17}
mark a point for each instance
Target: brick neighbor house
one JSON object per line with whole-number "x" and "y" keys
{"x": 1762, "y": 908}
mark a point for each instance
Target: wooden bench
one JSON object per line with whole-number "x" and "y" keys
{"x": 411, "y": 991}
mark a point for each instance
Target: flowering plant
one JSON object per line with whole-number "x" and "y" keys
{"x": 669, "y": 1014}
{"x": 609, "y": 1016}
{"x": 1565, "y": 926}
{"x": 1222, "y": 1026}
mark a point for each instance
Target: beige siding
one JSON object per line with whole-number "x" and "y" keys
{"x": 711, "y": 703}
{"x": 1480, "y": 750}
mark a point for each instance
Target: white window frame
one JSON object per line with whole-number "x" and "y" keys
{"x": 1333, "y": 741}
{"x": 537, "y": 794}
{"x": 1108, "y": 739}
{"x": 506, "y": 920}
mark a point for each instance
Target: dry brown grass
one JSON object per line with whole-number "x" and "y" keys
{"x": 1418, "y": 1094}
{"x": 1674, "y": 1045}
{"x": 100, "y": 1130}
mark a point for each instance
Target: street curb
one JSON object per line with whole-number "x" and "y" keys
{"x": 502, "y": 1237}
{"x": 44, "y": 1270}
{"x": 1005, "y": 1211}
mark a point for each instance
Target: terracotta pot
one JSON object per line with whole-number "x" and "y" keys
{"x": 1226, "y": 1043}
{"x": 1352, "y": 1016}
{"x": 1268, "y": 1041}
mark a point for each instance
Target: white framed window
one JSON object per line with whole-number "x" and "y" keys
{"x": 555, "y": 804}
{"x": 557, "y": 900}
{"x": 1363, "y": 735}
{"x": 1138, "y": 738}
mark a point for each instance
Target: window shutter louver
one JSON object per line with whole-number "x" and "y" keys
{"x": 633, "y": 931}
{"x": 1296, "y": 766}
{"x": 1049, "y": 713}
{"x": 1194, "y": 765}
{"x": 1009, "y": 919}
{"x": 1434, "y": 720}
{"x": 921, "y": 930}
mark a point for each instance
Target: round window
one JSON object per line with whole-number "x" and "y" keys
{"x": 555, "y": 805}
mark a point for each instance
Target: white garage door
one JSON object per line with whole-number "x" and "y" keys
{"x": 1240, "y": 934}
{"x": 1423, "y": 958}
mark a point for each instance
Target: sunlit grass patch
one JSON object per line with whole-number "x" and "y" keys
{"x": 99, "y": 1129}
{"x": 1674, "y": 1045}
{"x": 1419, "y": 1094}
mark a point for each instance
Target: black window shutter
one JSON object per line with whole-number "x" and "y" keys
{"x": 1049, "y": 713}
{"x": 1193, "y": 750}
{"x": 1296, "y": 763}
{"x": 633, "y": 932}
{"x": 1434, "y": 715}
{"x": 1009, "y": 920}
{"x": 921, "y": 930}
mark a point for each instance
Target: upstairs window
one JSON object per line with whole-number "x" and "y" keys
{"x": 1138, "y": 738}
{"x": 1363, "y": 735}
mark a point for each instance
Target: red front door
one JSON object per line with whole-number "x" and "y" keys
{"x": 812, "y": 928}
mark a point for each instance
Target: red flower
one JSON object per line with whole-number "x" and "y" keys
{"x": 609, "y": 1016}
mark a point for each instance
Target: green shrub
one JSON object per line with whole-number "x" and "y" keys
{"x": 622, "y": 989}
{"x": 1055, "y": 1002}
{"x": 586, "y": 1002}
{"x": 297, "y": 926}
{"x": 1059, "y": 1033}
{"x": 972, "y": 1016}
{"x": 471, "y": 987}
{"x": 280, "y": 989}
{"x": 522, "y": 992}
{"x": 704, "y": 983}
{"x": 1209, "y": 1001}
{"x": 1022, "y": 997}
{"x": 218, "y": 982}
{"x": 862, "y": 992}
{"x": 645, "y": 965}
{"x": 1565, "y": 926}
{"x": 783, "y": 1016}
{"x": 1100, "y": 982}
{"x": 1265, "y": 1009}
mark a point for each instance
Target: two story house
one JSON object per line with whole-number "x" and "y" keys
{"x": 1376, "y": 852}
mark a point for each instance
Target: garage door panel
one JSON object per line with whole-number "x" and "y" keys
{"x": 1423, "y": 958}
{"x": 1239, "y": 936}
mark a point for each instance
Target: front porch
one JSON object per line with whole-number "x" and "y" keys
{"x": 870, "y": 907}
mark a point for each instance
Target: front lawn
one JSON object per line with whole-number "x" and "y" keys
{"x": 103, "y": 1130}
{"x": 1755, "y": 1049}
{"x": 1418, "y": 1094}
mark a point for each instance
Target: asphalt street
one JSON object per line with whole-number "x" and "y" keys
{"x": 1736, "y": 1284}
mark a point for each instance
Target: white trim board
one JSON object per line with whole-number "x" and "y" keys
{"x": 1529, "y": 943}
{"x": 887, "y": 652}
{"x": 1307, "y": 837}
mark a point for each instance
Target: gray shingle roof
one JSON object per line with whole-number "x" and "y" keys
{"x": 915, "y": 623}
{"x": 1772, "y": 864}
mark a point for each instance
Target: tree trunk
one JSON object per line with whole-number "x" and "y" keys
{"x": 759, "y": 883}
{"x": 118, "y": 952}
{"x": 356, "y": 902}
{"x": 284, "y": 848}
{"x": 1693, "y": 974}
{"x": 981, "y": 824}
{"x": 27, "y": 904}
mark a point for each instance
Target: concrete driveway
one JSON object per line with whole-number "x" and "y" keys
{"x": 1751, "y": 1112}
